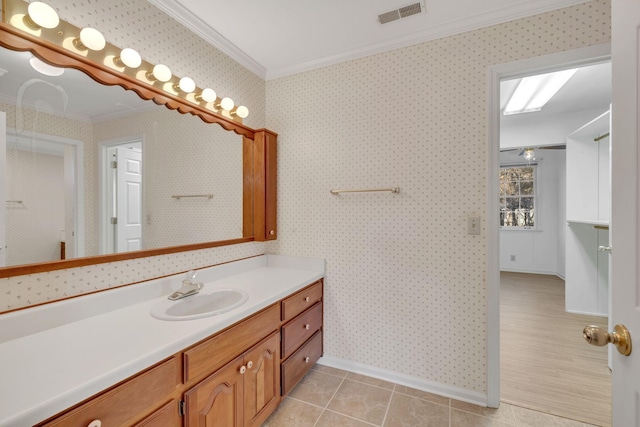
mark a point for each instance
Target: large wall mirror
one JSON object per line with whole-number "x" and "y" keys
{"x": 95, "y": 173}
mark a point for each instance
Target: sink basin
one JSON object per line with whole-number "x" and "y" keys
{"x": 202, "y": 304}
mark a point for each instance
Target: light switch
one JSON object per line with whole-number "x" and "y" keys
{"x": 473, "y": 225}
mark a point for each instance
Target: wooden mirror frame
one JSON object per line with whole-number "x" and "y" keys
{"x": 258, "y": 152}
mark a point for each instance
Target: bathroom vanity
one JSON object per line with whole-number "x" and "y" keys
{"x": 103, "y": 360}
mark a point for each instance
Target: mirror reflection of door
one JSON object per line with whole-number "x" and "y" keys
{"x": 41, "y": 196}
{"x": 124, "y": 197}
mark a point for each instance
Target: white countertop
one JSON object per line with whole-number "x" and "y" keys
{"x": 56, "y": 355}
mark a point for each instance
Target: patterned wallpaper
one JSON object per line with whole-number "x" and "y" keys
{"x": 182, "y": 155}
{"x": 406, "y": 286}
{"x": 138, "y": 24}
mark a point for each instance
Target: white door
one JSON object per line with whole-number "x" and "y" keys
{"x": 3, "y": 190}
{"x": 625, "y": 275}
{"x": 129, "y": 200}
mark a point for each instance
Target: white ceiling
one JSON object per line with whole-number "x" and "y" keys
{"x": 283, "y": 37}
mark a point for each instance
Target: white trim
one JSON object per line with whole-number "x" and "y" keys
{"x": 572, "y": 58}
{"x": 518, "y": 10}
{"x": 546, "y": 273}
{"x": 194, "y": 23}
{"x": 406, "y": 380}
{"x": 587, "y": 313}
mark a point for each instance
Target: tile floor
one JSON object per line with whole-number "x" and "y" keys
{"x": 329, "y": 397}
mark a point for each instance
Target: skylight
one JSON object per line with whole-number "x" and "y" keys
{"x": 534, "y": 92}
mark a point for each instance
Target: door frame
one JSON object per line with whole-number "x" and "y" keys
{"x": 103, "y": 183}
{"x": 529, "y": 66}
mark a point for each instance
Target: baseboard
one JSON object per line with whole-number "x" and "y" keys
{"x": 406, "y": 380}
{"x": 514, "y": 270}
{"x": 588, "y": 313}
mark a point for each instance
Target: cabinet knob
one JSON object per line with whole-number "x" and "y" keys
{"x": 250, "y": 364}
{"x": 272, "y": 232}
{"x": 95, "y": 423}
{"x": 306, "y": 360}
{"x": 307, "y": 326}
{"x": 307, "y": 299}
{"x": 243, "y": 369}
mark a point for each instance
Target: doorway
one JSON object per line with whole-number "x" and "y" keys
{"x": 43, "y": 190}
{"x": 529, "y": 258}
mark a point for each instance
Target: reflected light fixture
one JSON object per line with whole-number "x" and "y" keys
{"x": 91, "y": 39}
{"x": 129, "y": 58}
{"x": 242, "y": 112}
{"x": 186, "y": 84}
{"x": 227, "y": 104}
{"x": 160, "y": 72}
{"x": 42, "y": 15}
{"x": 207, "y": 95}
{"x": 44, "y": 68}
{"x": 534, "y": 92}
{"x": 529, "y": 154}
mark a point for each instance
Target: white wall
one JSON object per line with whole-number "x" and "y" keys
{"x": 538, "y": 251}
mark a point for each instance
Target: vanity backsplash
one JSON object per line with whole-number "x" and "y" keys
{"x": 26, "y": 290}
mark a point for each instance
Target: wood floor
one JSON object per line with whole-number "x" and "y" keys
{"x": 545, "y": 364}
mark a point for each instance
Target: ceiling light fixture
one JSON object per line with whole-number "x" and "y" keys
{"x": 207, "y": 95}
{"x": 534, "y": 92}
{"x": 44, "y": 68}
{"x": 128, "y": 58}
{"x": 160, "y": 72}
{"x": 90, "y": 38}
{"x": 186, "y": 84}
{"x": 42, "y": 15}
{"x": 529, "y": 154}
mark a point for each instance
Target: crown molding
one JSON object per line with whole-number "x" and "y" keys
{"x": 193, "y": 22}
{"x": 490, "y": 17}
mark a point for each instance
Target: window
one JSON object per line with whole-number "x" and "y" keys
{"x": 517, "y": 197}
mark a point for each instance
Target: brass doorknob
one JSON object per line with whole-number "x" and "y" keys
{"x": 621, "y": 338}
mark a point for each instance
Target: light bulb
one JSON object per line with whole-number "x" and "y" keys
{"x": 187, "y": 85}
{"x": 160, "y": 72}
{"x": 208, "y": 95}
{"x": 242, "y": 112}
{"x": 44, "y": 68}
{"x": 43, "y": 15}
{"x": 529, "y": 154}
{"x": 90, "y": 38}
{"x": 129, "y": 58}
{"x": 227, "y": 104}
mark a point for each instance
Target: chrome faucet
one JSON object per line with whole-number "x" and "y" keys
{"x": 188, "y": 287}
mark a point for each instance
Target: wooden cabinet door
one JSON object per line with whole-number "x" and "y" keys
{"x": 217, "y": 401}
{"x": 262, "y": 380}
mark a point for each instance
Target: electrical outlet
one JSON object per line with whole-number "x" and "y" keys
{"x": 473, "y": 225}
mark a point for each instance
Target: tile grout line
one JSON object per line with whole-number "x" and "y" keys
{"x": 329, "y": 401}
{"x": 384, "y": 419}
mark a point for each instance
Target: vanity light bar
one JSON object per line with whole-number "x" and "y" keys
{"x": 41, "y": 20}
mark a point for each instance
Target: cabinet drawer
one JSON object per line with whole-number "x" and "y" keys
{"x": 127, "y": 400}
{"x": 300, "y": 301}
{"x": 165, "y": 416}
{"x": 300, "y": 362}
{"x": 296, "y": 332}
{"x": 215, "y": 352}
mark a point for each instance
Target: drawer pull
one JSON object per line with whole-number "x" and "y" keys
{"x": 306, "y": 360}
{"x": 307, "y": 326}
{"x": 250, "y": 364}
{"x": 243, "y": 369}
{"x": 307, "y": 299}
{"x": 95, "y": 423}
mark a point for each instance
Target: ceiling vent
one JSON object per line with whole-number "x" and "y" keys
{"x": 403, "y": 12}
